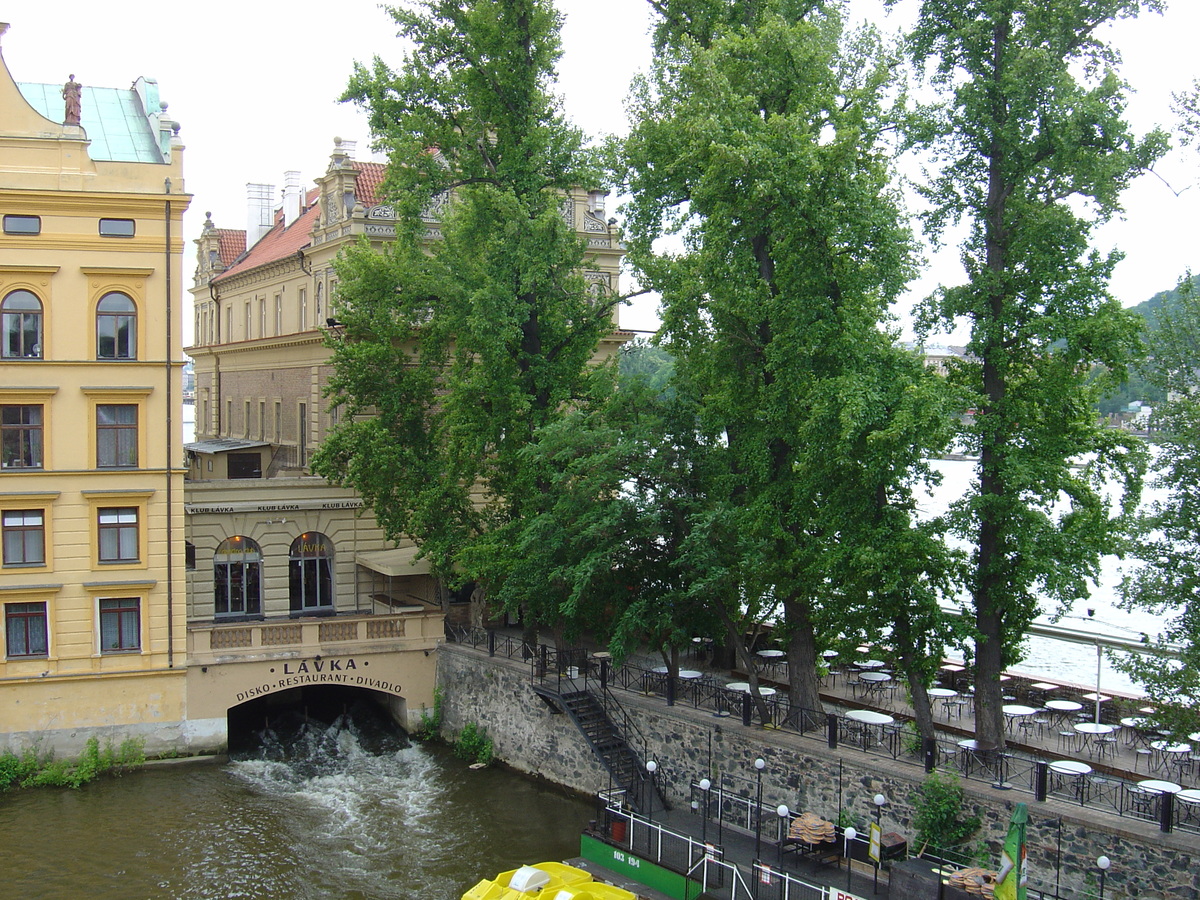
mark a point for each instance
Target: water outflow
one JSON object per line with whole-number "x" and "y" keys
{"x": 359, "y": 803}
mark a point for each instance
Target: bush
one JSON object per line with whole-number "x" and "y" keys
{"x": 939, "y": 818}
{"x": 34, "y": 769}
{"x": 431, "y": 723}
{"x": 473, "y": 744}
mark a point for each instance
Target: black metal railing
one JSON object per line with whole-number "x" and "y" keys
{"x": 1008, "y": 769}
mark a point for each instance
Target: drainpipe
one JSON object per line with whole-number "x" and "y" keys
{"x": 170, "y": 443}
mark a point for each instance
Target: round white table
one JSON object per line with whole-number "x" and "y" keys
{"x": 829, "y": 654}
{"x": 1070, "y": 767}
{"x": 743, "y": 687}
{"x": 1160, "y": 787}
{"x": 1016, "y": 710}
{"x": 870, "y": 717}
{"x": 871, "y": 664}
{"x": 1063, "y": 706}
{"x": 772, "y": 654}
{"x": 870, "y": 720}
{"x": 683, "y": 673}
{"x": 1076, "y": 770}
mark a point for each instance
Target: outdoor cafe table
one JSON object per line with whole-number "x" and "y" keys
{"x": 873, "y": 681}
{"x": 977, "y": 751}
{"x": 1169, "y": 753}
{"x": 870, "y": 719}
{"x": 683, "y": 673}
{"x": 871, "y": 664}
{"x": 1014, "y": 711}
{"x": 1091, "y": 731}
{"x": 1063, "y": 708}
{"x": 1077, "y": 770}
{"x": 743, "y": 687}
{"x": 1190, "y": 800}
{"x": 1160, "y": 787}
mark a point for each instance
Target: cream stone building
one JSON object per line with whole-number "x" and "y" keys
{"x": 91, "y": 478}
{"x": 292, "y": 586}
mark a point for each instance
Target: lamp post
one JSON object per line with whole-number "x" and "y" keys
{"x": 880, "y": 803}
{"x": 851, "y": 834}
{"x": 705, "y": 784}
{"x": 1103, "y": 863}
{"x": 651, "y": 767}
{"x": 759, "y": 765}
{"x": 783, "y": 813}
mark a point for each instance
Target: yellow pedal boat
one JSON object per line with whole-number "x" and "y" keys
{"x": 546, "y": 881}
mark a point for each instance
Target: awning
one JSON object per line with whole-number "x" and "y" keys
{"x": 223, "y": 445}
{"x": 395, "y": 563}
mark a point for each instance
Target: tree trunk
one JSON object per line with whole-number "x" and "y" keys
{"x": 804, "y": 688}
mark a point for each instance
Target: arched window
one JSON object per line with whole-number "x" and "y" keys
{"x": 310, "y": 573}
{"x": 21, "y": 326}
{"x": 116, "y": 327}
{"x": 237, "y": 577}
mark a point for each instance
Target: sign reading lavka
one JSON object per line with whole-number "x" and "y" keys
{"x": 193, "y": 509}
{"x": 298, "y": 673}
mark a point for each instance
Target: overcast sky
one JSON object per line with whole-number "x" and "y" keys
{"x": 254, "y": 86}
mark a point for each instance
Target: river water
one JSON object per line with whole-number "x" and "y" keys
{"x": 1056, "y": 659}
{"x": 344, "y": 811}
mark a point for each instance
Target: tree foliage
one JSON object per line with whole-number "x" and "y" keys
{"x": 760, "y": 139}
{"x": 1167, "y": 583}
{"x": 1034, "y": 153}
{"x": 457, "y": 350}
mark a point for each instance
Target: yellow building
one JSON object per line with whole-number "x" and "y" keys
{"x": 91, "y": 482}
{"x": 291, "y": 577}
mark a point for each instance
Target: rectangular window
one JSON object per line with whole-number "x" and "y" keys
{"x": 228, "y": 417}
{"x": 116, "y": 435}
{"x": 24, "y": 537}
{"x": 246, "y": 419}
{"x": 303, "y": 300}
{"x": 278, "y": 435}
{"x": 20, "y": 437}
{"x": 279, "y": 314}
{"x": 120, "y": 625}
{"x": 262, "y": 420}
{"x": 22, "y": 224}
{"x": 262, "y": 318}
{"x": 302, "y": 434}
{"x": 118, "y": 532}
{"x": 228, "y": 325}
{"x": 25, "y": 629}
{"x": 244, "y": 465}
{"x": 116, "y": 227}
{"x": 249, "y": 321}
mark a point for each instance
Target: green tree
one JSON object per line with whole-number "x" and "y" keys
{"x": 1167, "y": 582}
{"x": 760, "y": 137}
{"x": 457, "y": 350}
{"x": 1036, "y": 154}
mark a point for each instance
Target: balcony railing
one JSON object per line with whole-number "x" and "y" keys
{"x": 211, "y": 642}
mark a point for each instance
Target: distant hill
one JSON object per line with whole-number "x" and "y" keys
{"x": 1148, "y": 309}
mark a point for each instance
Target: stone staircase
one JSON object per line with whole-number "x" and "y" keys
{"x": 608, "y": 743}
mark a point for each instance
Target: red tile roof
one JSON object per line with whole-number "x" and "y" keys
{"x": 276, "y": 244}
{"x": 370, "y": 178}
{"x": 231, "y": 244}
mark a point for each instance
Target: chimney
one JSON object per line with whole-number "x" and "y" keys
{"x": 260, "y": 211}
{"x": 291, "y": 197}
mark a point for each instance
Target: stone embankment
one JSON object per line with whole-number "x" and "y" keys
{"x": 690, "y": 744}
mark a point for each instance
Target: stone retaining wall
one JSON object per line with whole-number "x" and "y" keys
{"x": 805, "y": 774}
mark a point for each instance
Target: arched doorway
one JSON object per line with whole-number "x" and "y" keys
{"x": 237, "y": 577}
{"x": 310, "y": 574}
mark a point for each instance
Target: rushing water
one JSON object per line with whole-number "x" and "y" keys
{"x": 339, "y": 811}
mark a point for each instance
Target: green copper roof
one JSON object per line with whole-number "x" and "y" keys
{"x": 113, "y": 119}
